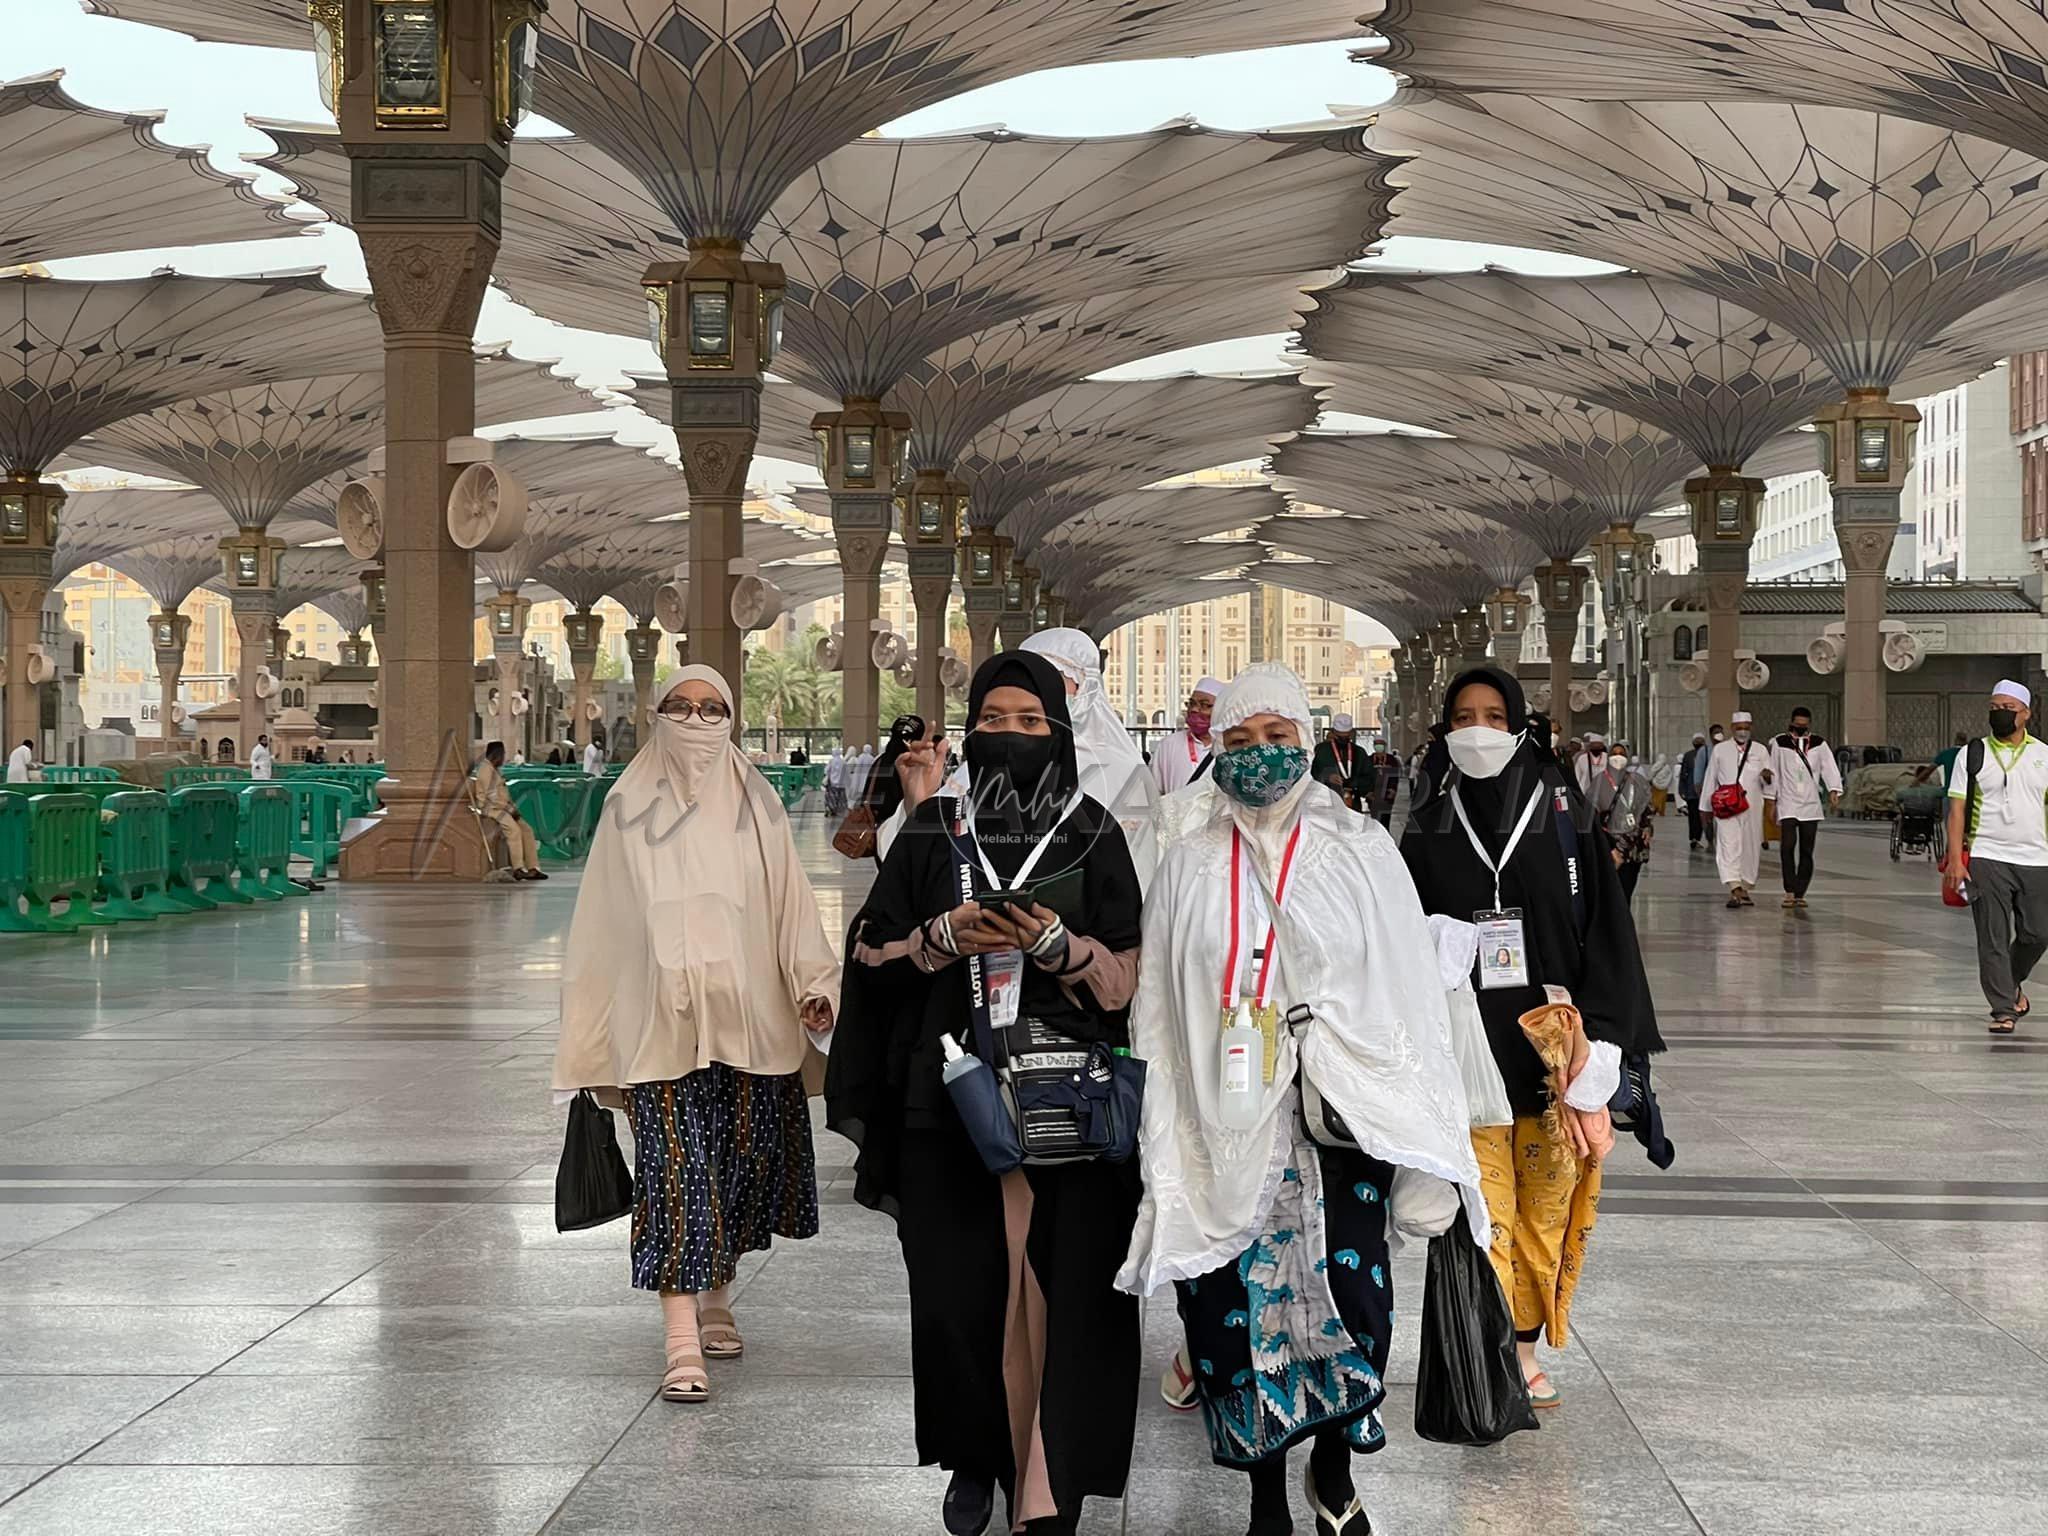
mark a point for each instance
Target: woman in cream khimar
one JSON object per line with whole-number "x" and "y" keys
{"x": 1285, "y": 950}
{"x": 1113, "y": 770}
{"x": 698, "y": 976}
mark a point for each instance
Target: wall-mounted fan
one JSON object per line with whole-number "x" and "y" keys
{"x": 486, "y": 508}
{"x": 672, "y": 606}
{"x": 756, "y": 602}
{"x": 359, "y": 517}
{"x": 1750, "y": 672}
{"x": 266, "y": 683}
{"x": 828, "y": 652}
{"x": 889, "y": 651}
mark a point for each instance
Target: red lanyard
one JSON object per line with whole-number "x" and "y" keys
{"x": 1191, "y": 746}
{"x": 1236, "y": 892}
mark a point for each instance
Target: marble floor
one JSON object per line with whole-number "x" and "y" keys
{"x": 277, "y": 1256}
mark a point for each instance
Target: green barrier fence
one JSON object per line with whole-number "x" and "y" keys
{"x": 14, "y": 817}
{"x": 205, "y": 824}
{"x": 63, "y": 862}
{"x": 318, "y": 811}
{"x": 562, "y": 809}
{"x": 135, "y": 855}
{"x": 359, "y": 779}
{"x": 263, "y": 846}
{"x": 181, "y": 778}
{"x": 97, "y": 789}
{"x": 60, "y": 773}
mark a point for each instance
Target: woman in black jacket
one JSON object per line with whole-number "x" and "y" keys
{"x": 1501, "y": 838}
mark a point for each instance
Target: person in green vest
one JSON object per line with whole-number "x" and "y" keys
{"x": 1998, "y": 842}
{"x": 1945, "y": 759}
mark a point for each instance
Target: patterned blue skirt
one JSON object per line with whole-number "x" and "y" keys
{"x": 1291, "y": 1336}
{"x": 722, "y": 1165}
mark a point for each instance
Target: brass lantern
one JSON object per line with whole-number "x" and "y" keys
{"x": 861, "y": 447}
{"x": 373, "y": 595}
{"x": 1507, "y": 613}
{"x": 328, "y": 50}
{"x": 984, "y": 560}
{"x": 1866, "y": 441}
{"x": 714, "y": 313}
{"x": 1470, "y": 627}
{"x": 931, "y": 513}
{"x": 643, "y": 646}
{"x": 409, "y": 62}
{"x": 516, "y": 29}
{"x": 29, "y": 512}
{"x": 583, "y": 630}
{"x": 249, "y": 561}
{"x": 1725, "y": 507}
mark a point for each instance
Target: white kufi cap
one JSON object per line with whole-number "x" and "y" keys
{"x": 2013, "y": 690}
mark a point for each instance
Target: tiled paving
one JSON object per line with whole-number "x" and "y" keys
{"x": 277, "y": 1256}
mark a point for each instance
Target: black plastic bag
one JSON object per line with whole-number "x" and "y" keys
{"x": 592, "y": 1185}
{"x": 1469, "y": 1388}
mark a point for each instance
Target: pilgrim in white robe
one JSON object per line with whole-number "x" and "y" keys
{"x": 1738, "y": 840}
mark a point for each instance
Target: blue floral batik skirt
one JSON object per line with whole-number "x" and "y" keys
{"x": 1291, "y": 1336}
{"x": 722, "y": 1165}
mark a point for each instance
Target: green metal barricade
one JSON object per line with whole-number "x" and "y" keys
{"x": 319, "y": 810}
{"x": 63, "y": 862}
{"x": 135, "y": 855}
{"x": 205, "y": 825}
{"x": 562, "y": 809}
{"x": 96, "y": 789}
{"x": 14, "y": 818}
{"x": 263, "y": 846}
{"x": 359, "y": 779}
{"x": 182, "y": 778}
{"x": 61, "y": 773}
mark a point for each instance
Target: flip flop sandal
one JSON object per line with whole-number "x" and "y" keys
{"x": 1178, "y": 1388}
{"x": 2002, "y": 1025}
{"x": 685, "y": 1381}
{"x": 2026, "y": 1007}
{"x": 721, "y": 1335}
{"x": 1549, "y": 1397}
{"x": 1352, "y": 1522}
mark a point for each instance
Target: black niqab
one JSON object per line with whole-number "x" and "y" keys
{"x": 1012, "y": 817}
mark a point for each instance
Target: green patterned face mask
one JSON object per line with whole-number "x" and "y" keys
{"x": 1260, "y": 773}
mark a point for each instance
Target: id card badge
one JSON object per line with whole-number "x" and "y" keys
{"x": 1503, "y": 958}
{"x": 1003, "y": 974}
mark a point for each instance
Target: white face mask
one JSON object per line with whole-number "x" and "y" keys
{"x": 1617, "y": 760}
{"x": 1480, "y": 751}
{"x": 1741, "y": 736}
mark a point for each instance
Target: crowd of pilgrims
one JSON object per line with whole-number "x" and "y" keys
{"x": 1337, "y": 1037}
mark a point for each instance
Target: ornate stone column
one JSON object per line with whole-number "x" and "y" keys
{"x": 984, "y": 570}
{"x": 168, "y": 633}
{"x": 1724, "y": 504}
{"x": 1472, "y": 637}
{"x": 1507, "y": 613}
{"x": 505, "y": 616}
{"x": 1020, "y": 604}
{"x": 862, "y": 451}
{"x": 716, "y": 319}
{"x": 428, "y": 131}
{"x": 932, "y": 513}
{"x": 29, "y": 510}
{"x": 373, "y": 599}
{"x": 585, "y": 633}
{"x": 1561, "y": 588}
{"x": 1867, "y": 450}
{"x": 643, "y": 648}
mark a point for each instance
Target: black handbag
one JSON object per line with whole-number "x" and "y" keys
{"x": 592, "y": 1184}
{"x": 1468, "y": 1385}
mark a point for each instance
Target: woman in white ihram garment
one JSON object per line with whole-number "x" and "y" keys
{"x": 1286, "y": 954}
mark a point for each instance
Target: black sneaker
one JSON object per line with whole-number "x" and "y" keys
{"x": 969, "y": 1503}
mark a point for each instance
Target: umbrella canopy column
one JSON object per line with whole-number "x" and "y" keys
{"x": 862, "y": 451}
{"x": 932, "y": 515}
{"x": 1561, "y": 588}
{"x": 1867, "y": 451}
{"x": 505, "y": 615}
{"x": 29, "y": 509}
{"x": 429, "y": 161}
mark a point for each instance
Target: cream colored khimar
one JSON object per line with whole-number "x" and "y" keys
{"x": 696, "y": 936}
{"x": 1354, "y": 947}
{"x": 1113, "y": 770}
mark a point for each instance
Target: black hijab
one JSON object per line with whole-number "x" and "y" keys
{"x": 884, "y": 792}
{"x": 1588, "y": 946}
{"x": 1019, "y": 783}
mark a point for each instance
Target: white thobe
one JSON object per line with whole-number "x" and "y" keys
{"x": 1738, "y": 840}
{"x": 1797, "y": 784}
{"x": 19, "y": 762}
{"x": 1176, "y": 758}
{"x": 259, "y": 761}
{"x": 593, "y": 759}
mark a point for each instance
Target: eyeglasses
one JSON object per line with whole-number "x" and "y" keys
{"x": 711, "y": 711}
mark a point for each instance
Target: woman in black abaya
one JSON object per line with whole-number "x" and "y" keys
{"x": 1024, "y": 1354}
{"x": 1490, "y": 764}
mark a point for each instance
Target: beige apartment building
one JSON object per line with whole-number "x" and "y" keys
{"x": 1154, "y": 662}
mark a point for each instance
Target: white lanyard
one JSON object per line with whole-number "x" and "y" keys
{"x": 1031, "y": 861}
{"x": 1507, "y": 853}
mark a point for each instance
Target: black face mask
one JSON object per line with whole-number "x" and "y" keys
{"x": 1802, "y": 727}
{"x": 1017, "y": 756}
{"x": 2004, "y": 722}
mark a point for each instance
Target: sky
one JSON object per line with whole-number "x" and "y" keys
{"x": 206, "y": 90}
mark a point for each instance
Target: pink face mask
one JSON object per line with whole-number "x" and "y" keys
{"x": 1198, "y": 721}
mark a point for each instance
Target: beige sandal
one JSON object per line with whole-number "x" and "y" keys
{"x": 720, "y": 1333}
{"x": 685, "y": 1380}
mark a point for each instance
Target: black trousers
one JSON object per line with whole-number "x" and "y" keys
{"x": 1795, "y": 854}
{"x": 1693, "y": 826}
{"x": 1630, "y": 873}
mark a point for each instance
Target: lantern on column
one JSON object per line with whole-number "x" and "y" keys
{"x": 984, "y": 561}
{"x": 583, "y": 630}
{"x": 1507, "y": 613}
{"x": 1469, "y": 627}
{"x": 715, "y": 314}
{"x": 1724, "y": 508}
{"x": 373, "y": 595}
{"x": 1866, "y": 441}
{"x": 29, "y": 513}
{"x": 932, "y": 512}
{"x": 249, "y": 561}
{"x": 862, "y": 447}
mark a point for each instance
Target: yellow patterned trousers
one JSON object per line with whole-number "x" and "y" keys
{"x": 1541, "y": 1200}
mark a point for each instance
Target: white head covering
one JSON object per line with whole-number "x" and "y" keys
{"x": 696, "y": 935}
{"x": 1341, "y": 724}
{"x": 2013, "y": 690}
{"x": 1212, "y": 686}
{"x": 1379, "y": 1046}
{"x": 1740, "y": 717}
{"x": 1113, "y": 770}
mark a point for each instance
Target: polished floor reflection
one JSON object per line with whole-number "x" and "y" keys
{"x": 277, "y": 1256}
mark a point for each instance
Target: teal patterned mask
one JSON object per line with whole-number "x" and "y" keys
{"x": 1260, "y": 773}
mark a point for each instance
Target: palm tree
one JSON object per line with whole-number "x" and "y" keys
{"x": 780, "y": 683}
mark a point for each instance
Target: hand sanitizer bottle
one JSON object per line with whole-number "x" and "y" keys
{"x": 1244, "y": 1072}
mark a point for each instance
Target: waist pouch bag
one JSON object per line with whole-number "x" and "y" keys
{"x": 1070, "y": 1100}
